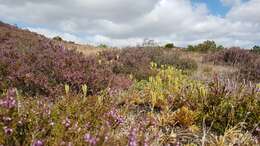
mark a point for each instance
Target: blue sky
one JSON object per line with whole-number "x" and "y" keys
{"x": 216, "y": 7}
{"x": 128, "y": 22}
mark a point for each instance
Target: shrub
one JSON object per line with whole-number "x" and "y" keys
{"x": 174, "y": 59}
{"x": 231, "y": 56}
{"x": 246, "y": 62}
{"x": 57, "y": 38}
{"x": 46, "y": 70}
{"x": 256, "y": 49}
{"x": 169, "y": 108}
{"x": 251, "y": 70}
{"x": 169, "y": 46}
{"x": 102, "y": 46}
{"x": 206, "y": 46}
{"x": 136, "y": 61}
{"x": 219, "y": 102}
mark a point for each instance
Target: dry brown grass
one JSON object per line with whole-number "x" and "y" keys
{"x": 83, "y": 48}
{"x": 207, "y": 70}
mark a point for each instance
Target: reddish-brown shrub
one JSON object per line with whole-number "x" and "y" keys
{"x": 247, "y": 62}
{"x": 231, "y": 56}
{"x": 136, "y": 61}
{"x": 250, "y": 70}
{"x": 45, "y": 70}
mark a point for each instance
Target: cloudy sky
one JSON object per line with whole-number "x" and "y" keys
{"x": 127, "y": 22}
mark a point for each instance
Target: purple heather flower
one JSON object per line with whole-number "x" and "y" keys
{"x": 132, "y": 139}
{"x": 7, "y": 119}
{"x": 38, "y": 143}
{"x": 146, "y": 142}
{"x": 178, "y": 144}
{"x": 66, "y": 122}
{"x": 8, "y": 102}
{"x": 70, "y": 144}
{"x": 8, "y": 131}
{"x": 90, "y": 139}
{"x": 115, "y": 115}
{"x": 257, "y": 129}
{"x": 11, "y": 92}
{"x": 63, "y": 143}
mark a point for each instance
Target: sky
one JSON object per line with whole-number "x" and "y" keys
{"x": 129, "y": 22}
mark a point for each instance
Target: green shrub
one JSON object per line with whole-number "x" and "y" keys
{"x": 57, "y": 38}
{"x": 174, "y": 59}
{"x": 169, "y": 46}
{"x": 256, "y": 49}
{"x": 206, "y": 46}
{"x": 102, "y": 46}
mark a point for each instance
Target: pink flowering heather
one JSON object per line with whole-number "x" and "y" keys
{"x": 8, "y": 131}
{"x": 9, "y": 101}
{"x": 90, "y": 139}
{"x": 118, "y": 119}
{"x": 132, "y": 139}
{"x": 38, "y": 143}
{"x": 66, "y": 122}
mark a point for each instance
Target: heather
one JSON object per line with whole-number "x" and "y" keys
{"x": 169, "y": 108}
{"x": 45, "y": 70}
{"x": 51, "y": 94}
{"x": 137, "y": 61}
{"x": 246, "y": 61}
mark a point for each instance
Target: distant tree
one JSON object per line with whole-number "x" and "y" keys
{"x": 206, "y": 46}
{"x": 169, "y": 46}
{"x": 256, "y": 49}
{"x": 220, "y": 47}
{"x": 57, "y": 38}
{"x": 102, "y": 46}
{"x": 190, "y": 48}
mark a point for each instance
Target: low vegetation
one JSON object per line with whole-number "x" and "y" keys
{"x": 52, "y": 95}
{"x": 169, "y": 108}
{"x": 136, "y": 61}
{"x": 205, "y": 47}
{"x": 246, "y": 61}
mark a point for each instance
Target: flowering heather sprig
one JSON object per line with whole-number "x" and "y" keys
{"x": 7, "y": 119}
{"x": 9, "y": 101}
{"x": 8, "y": 131}
{"x": 38, "y": 143}
{"x": 90, "y": 139}
{"x": 146, "y": 142}
{"x": 132, "y": 138}
{"x": 118, "y": 119}
{"x": 66, "y": 122}
{"x": 63, "y": 143}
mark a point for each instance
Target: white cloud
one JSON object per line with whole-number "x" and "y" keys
{"x": 125, "y": 22}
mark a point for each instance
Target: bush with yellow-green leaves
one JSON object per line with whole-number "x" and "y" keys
{"x": 167, "y": 109}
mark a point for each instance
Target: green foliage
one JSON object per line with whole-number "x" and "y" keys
{"x": 169, "y": 46}
{"x": 159, "y": 111}
{"x": 221, "y": 104}
{"x": 104, "y": 46}
{"x": 206, "y": 46}
{"x": 256, "y": 49}
{"x": 57, "y": 38}
{"x": 164, "y": 106}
